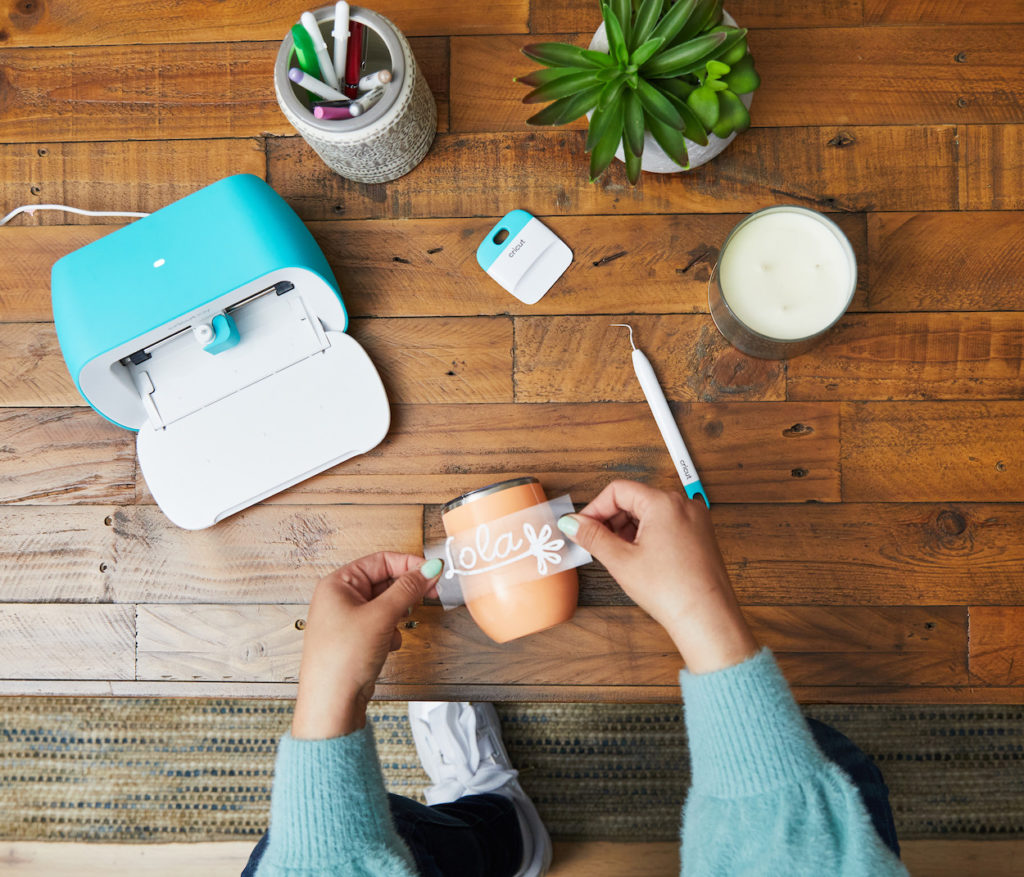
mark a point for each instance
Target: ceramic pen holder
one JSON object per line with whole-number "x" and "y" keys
{"x": 393, "y": 136}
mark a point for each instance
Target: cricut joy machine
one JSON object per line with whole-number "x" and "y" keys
{"x": 215, "y": 328}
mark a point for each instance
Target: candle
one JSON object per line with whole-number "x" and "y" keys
{"x": 784, "y": 277}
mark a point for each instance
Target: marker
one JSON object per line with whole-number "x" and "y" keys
{"x": 305, "y": 53}
{"x": 354, "y": 58}
{"x": 314, "y": 85}
{"x": 369, "y": 99}
{"x": 340, "y": 39}
{"x": 371, "y": 80}
{"x": 349, "y": 112}
{"x": 666, "y": 422}
{"x": 326, "y": 67}
{"x": 333, "y": 103}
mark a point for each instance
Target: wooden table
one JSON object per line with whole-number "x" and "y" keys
{"x": 866, "y": 494}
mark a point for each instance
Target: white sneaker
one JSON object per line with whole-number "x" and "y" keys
{"x": 462, "y": 752}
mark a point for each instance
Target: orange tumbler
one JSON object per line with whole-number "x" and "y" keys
{"x": 503, "y": 605}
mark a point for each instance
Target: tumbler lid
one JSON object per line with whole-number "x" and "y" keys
{"x": 481, "y": 492}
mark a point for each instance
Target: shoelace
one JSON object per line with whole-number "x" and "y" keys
{"x": 468, "y": 757}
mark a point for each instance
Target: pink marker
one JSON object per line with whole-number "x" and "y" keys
{"x": 349, "y": 112}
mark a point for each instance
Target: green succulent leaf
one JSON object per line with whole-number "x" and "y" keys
{"x": 611, "y": 91}
{"x": 599, "y": 122}
{"x": 608, "y": 74}
{"x": 655, "y": 103}
{"x": 734, "y": 47}
{"x": 564, "y": 55}
{"x": 604, "y": 148}
{"x": 680, "y": 88}
{"x": 716, "y": 69}
{"x": 567, "y": 109}
{"x": 550, "y": 74}
{"x": 694, "y": 21}
{"x": 716, "y": 85}
{"x": 645, "y": 52}
{"x": 693, "y": 129}
{"x": 646, "y": 20}
{"x": 675, "y": 20}
{"x": 616, "y": 39}
{"x": 669, "y": 62}
{"x": 733, "y": 115}
{"x": 565, "y": 86}
{"x": 743, "y": 78}
{"x": 623, "y": 10}
{"x": 714, "y": 16}
{"x": 669, "y": 139}
{"x": 704, "y": 103}
{"x": 633, "y": 163}
{"x": 633, "y": 122}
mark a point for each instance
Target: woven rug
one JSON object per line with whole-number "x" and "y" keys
{"x": 109, "y": 769}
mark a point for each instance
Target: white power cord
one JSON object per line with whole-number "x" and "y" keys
{"x": 32, "y": 208}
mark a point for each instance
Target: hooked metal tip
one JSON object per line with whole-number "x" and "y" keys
{"x": 627, "y": 326}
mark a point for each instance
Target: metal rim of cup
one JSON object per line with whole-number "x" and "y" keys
{"x": 287, "y": 89}
{"x": 481, "y": 492}
{"x": 844, "y": 242}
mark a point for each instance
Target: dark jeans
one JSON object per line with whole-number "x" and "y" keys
{"x": 478, "y": 836}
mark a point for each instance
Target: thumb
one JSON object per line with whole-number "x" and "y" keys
{"x": 408, "y": 589}
{"x": 596, "y": 538}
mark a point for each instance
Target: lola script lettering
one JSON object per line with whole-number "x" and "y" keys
{"x": 481, "y": 557}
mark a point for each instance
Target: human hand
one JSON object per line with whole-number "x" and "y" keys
{"x": 350, "y": 628}
{"x": 661, "y": 549}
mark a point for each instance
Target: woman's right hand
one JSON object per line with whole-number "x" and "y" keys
{"x": 661, "y": 548}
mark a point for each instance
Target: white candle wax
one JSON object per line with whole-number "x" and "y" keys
{"x": 787, "y": 273}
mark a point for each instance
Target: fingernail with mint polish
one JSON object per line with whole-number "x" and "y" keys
{"x": 568, "y": 525}
{"x": 432, "y": 568}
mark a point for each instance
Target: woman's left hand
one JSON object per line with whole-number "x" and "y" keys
{"x": 351, "y": 626}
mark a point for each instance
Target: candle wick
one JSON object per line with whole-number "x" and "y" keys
{"x": 627, "y": 326}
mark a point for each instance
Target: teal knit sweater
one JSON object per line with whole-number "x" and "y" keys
{"x": 764, "y": 800}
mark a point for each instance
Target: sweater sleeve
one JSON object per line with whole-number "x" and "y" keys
{"x": 329, "y": 812}
{"x": 764, "y": 799}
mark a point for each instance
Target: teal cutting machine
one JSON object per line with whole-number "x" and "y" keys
{"x": 215, "y": 329}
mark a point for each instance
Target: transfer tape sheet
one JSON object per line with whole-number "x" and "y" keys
{"x": 521, "y": 547}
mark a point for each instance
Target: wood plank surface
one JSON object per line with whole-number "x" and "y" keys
{"x": 71, "y": 23}
{"x": 934, "y": 858}
{"x": 933, "y": 451}
{"x": 64, "y": 456}
{"x": 831, "y": 169}
{"x": 914, "y": 356}
{"x": 992, "y": 167}
{"x": 941, "y": 11}
{"x": 876, "y": 76}
{"x": 420, "y": 360}
{"x": 694, "y": 362}
{"x": 66, "y": 641}
{"x": 381, "y": 265}
{"x": 603, "y": 646}
{"x": 997, "y": 648}
{"x": 975, "y": 262}
{"x": 139, "y": 176}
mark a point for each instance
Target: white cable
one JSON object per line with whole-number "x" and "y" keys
{"x": 32, "y": 208}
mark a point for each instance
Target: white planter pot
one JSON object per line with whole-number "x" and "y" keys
{"x": 655, "y": 160}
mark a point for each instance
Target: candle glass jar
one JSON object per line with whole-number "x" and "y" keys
{"x": 784, "y": 277}
{"x": 503, "y": 605}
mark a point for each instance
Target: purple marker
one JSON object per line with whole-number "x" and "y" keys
{"x": 349, "y": 112}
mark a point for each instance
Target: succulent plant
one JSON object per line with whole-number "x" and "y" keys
{"x": 671, "y": 69}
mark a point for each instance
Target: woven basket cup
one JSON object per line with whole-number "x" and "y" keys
{"x": 387, "y": 141}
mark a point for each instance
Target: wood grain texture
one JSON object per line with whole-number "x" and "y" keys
{"x": 935, "y": 858}
{"x": 428, "y": 267}
{"x": 933, "y": 451}
{"x": 70, "y": 23}
{"x": 693, "y": 361}
{"x": 997, "y": 648}
{"x": 941, "y": 12}
{"x": 831, "y": 169}
{"x": 139, "y": 176}
{"x": 64, "y": 456}
{"x": 992, "y": 167}
{"x": 975, "y": 261}
{"x": 914, "y": 356}
{"x": 866, "y": 554}
{"x": 420, "y": 360}
{"x": 876, "y": 76}
{"x": 436, "y": 452}
{"x": 66, "y": 641}
{"x": 562, "y": 16}
{"x": 603, "y": 646}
